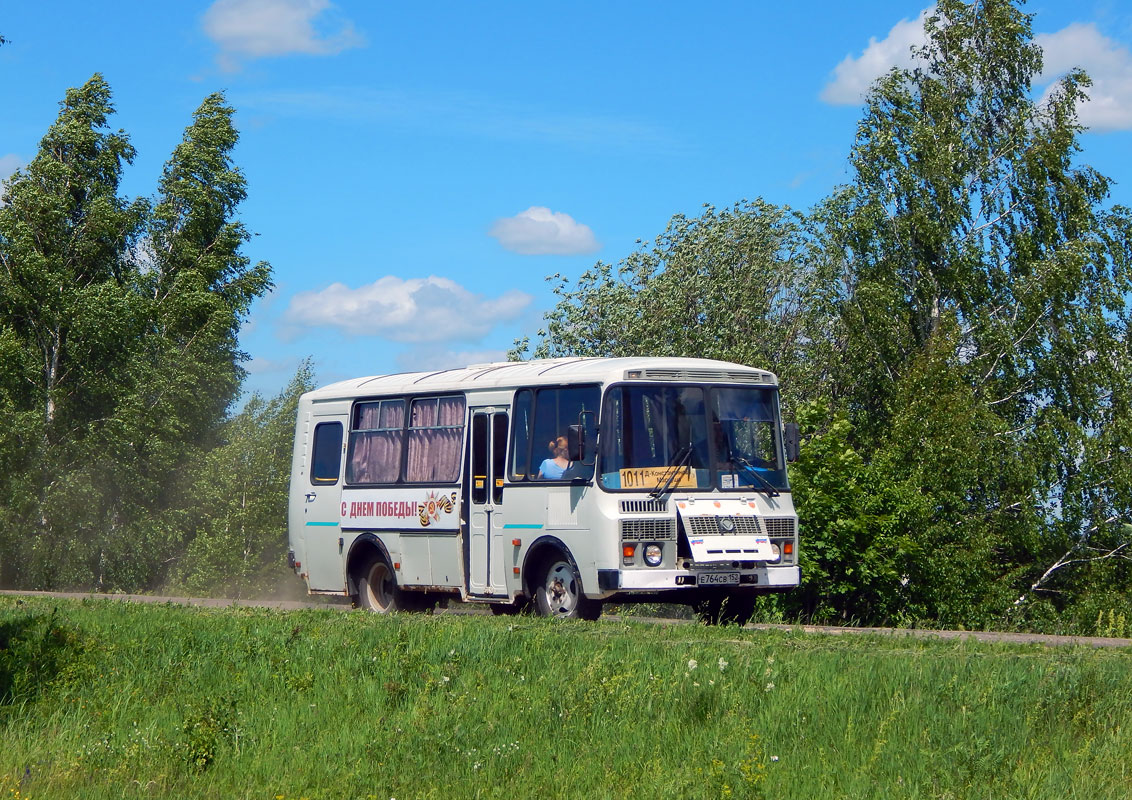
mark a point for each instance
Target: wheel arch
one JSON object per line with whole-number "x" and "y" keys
{"x": 539, "y": 554}
{"x": 362, "y": 550}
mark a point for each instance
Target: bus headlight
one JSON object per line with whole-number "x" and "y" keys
{"x": 653, "y": 555}
{"x": 775, "y": 552}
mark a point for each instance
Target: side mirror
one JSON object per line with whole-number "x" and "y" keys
{"x": 587, "y": 433}
{"x": 575, "y": 442}
{"x": 790, "y": 441}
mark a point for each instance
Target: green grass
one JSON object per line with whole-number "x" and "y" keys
{"x": 102, "y": 699}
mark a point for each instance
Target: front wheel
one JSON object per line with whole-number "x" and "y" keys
{"x": 559, "y": 593}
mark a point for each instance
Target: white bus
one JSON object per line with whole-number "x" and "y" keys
{"x": 561, "y": 484}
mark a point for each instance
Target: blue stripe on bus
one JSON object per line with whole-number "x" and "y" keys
{"x": 513, "y": 525}
{"x": 324, "y": 524}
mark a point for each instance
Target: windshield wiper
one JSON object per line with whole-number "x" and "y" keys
{"x": 682, "y": 457}
{"x": 739, "y": 461}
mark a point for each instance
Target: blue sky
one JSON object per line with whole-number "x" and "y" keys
{"x": 415, "y": 171}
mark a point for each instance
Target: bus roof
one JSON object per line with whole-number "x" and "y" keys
{"x": 551, "y": 371}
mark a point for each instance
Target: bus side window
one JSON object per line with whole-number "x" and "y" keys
{"x": 436, "y": 432}
{"x": 560, "y": 412}
{"x": 376, "y": 442}
{"x": 521, "y": 437}
{"x": 326, "y": 458}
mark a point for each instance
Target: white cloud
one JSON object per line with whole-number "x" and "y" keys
{"x": 9, "y": 164}
{"x": 428, "y": 309}
{"x": 259, "y": 28}
{"x": 461, "y": 114}
{"x": 854, "y": 75}
{"x": 419, "y": 359}
{"x": 538, "y": 231}
{"x": 267, "y": 366}
{"x": 1108, "y": 63}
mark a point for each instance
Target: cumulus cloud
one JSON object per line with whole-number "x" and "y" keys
{"x": 260, "y": 28}
{"x": 1108, "y": 63}
{"x": 418, "y": 359}
{"x": 428, "y": 309}
{"x": 855, "y": 74}
{"x": 267, "y": 366}
{"x": 9, "y": 164}
{"x": 538, "y": 231}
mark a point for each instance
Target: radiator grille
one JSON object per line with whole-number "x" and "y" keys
{"x": 653, "y": 530}
{"x": 780, "y": 527}
{"x": 708, "y": 525}
{"x": 644, "y": 506}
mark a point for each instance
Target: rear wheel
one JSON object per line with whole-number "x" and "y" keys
{"x": 559, "y": 593}
{"x": 378, "y": 590}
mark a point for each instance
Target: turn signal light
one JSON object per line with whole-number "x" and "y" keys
{"x": 788, "y": 548}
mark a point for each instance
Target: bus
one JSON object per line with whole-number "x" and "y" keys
{"x": 556, "y": 485}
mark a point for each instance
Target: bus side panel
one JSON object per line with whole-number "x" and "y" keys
{"x": 416, "y": 566}
{"x": 447, "y": 566}
{"x": 314, "y": 515}
{"x": 300, "y": 455}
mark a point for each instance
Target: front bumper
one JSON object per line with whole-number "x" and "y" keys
{"x": 658, "y": 580}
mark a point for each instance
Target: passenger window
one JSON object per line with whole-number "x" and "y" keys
{"x": 436, "y": 431}
{"x": 376, "y": 441}
{"x": 326, "y": 459}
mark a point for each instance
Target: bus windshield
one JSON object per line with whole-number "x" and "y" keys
{"x": 692, "y": 437}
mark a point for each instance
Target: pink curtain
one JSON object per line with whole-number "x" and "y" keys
{"x": 375, "y": 456}
{"x": 436, "y": 430}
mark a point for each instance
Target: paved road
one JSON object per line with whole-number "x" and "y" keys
{"x": 343, "y": 604}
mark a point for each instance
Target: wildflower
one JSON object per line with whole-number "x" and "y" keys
{"x": 692, "y": 663}
{"x": 769, "y": 686}
{"x": 722, "y": 664}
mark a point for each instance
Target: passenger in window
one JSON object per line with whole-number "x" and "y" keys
{"x": 553, "y": 468}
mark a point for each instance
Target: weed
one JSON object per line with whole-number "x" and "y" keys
{"x": 207, "y": 731}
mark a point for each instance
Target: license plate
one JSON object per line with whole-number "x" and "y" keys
{"x": 718, "y": 578}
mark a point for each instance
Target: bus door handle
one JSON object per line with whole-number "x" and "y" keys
{"x": 311, "y": 496}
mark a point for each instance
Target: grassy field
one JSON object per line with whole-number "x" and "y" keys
{"x": 102, "y": 699}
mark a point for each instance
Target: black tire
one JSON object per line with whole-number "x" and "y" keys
{"x": 559, "y": 592}
{"x": 725, "y": 608}
{"x": 378, "y": 590}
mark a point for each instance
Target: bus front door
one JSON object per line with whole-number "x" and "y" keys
{"x": 488, "y": 457}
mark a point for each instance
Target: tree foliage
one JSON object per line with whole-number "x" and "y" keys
{"x": 118, "y": 353}
{"x": 975, "y": 240}
{"x": 237, "y": 526}
{"x": 951, "y": 327}
{"x": 747, "y": 283}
